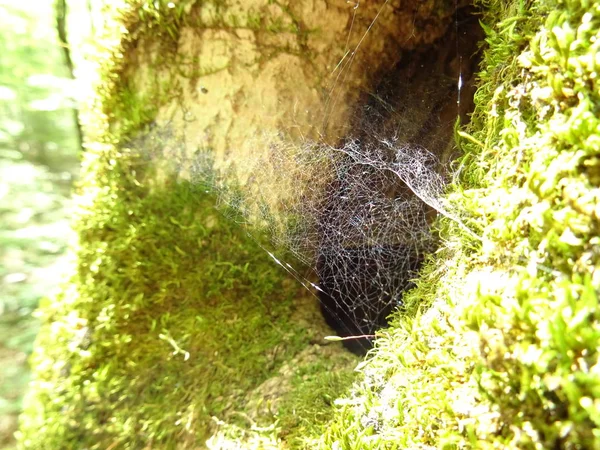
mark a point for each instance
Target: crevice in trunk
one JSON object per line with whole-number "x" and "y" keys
{"x": 362, "y": 280}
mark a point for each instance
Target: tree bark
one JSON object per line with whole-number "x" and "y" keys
{"x": 61, "y": 28}
{"x": 159, "y": 304}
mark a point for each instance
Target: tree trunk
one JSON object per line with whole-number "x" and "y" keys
{"x": 61, "y": 28}
{"x": 178, "y": 331}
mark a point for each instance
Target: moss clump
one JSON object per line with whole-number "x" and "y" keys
{"x": 172, "y": 316}
{"x": 319, "y": 380}
{"x": 507, "y": 355}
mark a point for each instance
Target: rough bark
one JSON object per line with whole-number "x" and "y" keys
{"x": 246, "y": 74}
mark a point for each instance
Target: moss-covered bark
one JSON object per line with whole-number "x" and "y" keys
{"x": 505, "y": 352}
{"x": 175, "y": 325}
{"x": 174, "y": 317}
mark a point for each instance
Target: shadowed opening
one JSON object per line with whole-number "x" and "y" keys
{"x": 374, "y": 230}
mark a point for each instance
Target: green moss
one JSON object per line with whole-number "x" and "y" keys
{"x": 507, "y": 355}
{"x": 306, "y": 411}
{"x": 163, "y": 326}
{"x": 169, "y": 320}
{"x": 172, "y": 314}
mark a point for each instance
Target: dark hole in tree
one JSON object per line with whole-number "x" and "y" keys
{"x": 417, "y": 103}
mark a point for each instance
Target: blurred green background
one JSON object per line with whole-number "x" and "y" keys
{"x": 40, "y": 147}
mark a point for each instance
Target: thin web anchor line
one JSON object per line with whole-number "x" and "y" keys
{"x": 330, "y": 106}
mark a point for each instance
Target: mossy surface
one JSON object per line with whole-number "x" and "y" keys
{"x": 314, "y": 389}
{"x": 163, "y": 326}
{"x": 173, "y": 314}
{"x": 499, "y": 345}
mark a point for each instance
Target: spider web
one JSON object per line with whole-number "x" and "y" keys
{"x": 358, "y": 215}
